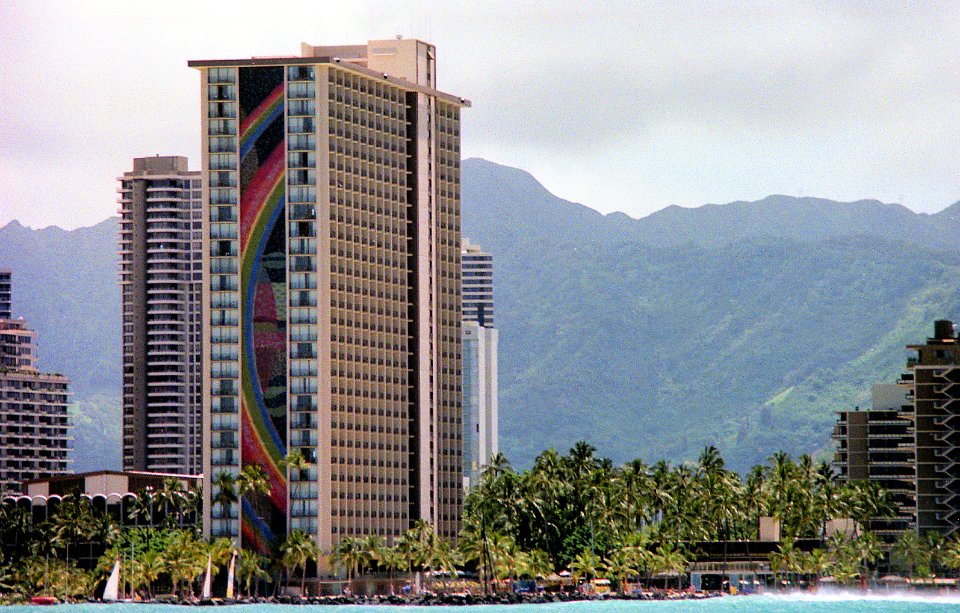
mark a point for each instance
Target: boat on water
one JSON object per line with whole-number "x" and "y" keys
{"x": 111, "y": 593}
{"x": 43, "y": 600}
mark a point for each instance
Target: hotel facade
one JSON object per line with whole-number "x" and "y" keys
{"x": 331, "y": 299}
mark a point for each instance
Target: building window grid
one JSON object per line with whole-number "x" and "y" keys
{"x": 225, "y": 298}
{"x": 302, "y": 305}
{"x": 361, "y": 286}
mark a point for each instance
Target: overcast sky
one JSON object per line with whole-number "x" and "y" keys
{"x": 628, "y": 106}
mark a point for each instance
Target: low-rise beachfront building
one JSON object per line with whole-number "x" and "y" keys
{"x": 743, "y": 565}
{"x": 131, "y": 498}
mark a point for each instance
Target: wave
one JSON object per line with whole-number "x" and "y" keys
{"x": 838, "y": 595}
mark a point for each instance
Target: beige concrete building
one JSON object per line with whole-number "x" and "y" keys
{"x": 332, "y": 295}
{"x": 34, "y": 424}
{"x": 160, "y": 282}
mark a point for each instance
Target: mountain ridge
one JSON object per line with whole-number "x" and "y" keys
{"x": 743, "y": 325}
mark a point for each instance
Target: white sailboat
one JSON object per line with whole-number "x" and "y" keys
{"x": 233, "y": 562}
{"x": 207, "y": 581}
{"x": 111, "y": 593}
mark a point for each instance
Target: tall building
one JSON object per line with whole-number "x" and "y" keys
{"x": 911, "y": 443}
{"x": 6, "y": 290}
{"x": 34, "y": 424}
{"x": 933, "y": 384}
{"x": 480, "y": 343}
{"x": 160, "y": 279}
{"x": 876, "y": 445}
{"x": 332, "y": 247}
{"x": 477, "y": 284}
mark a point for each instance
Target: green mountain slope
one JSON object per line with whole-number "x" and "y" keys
{"x": 746, "y": 331}
{"x": 743, "y": 325}
{"x": 65, "y": 285}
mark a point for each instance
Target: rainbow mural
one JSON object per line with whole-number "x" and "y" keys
{"x": 263, "y": 283}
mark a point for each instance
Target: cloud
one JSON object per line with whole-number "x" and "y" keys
{"x": 619, "y": 105}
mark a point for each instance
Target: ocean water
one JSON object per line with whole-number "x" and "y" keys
{"x": 838, "y": 602}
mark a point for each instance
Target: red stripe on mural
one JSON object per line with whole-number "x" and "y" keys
{"x": 253, "y": 453}
{"x": 258, "y": 191}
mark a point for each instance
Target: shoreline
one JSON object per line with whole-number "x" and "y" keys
{"x": 425, "y": 600}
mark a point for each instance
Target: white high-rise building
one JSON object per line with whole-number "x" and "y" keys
{"x": 160, "y": 284}
{"x": 480, "y": 339}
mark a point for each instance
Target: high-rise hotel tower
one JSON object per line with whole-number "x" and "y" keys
{"x": 332, "y": 292}
{"x": 480, "y": 349}
{"x": 160, "y": 281}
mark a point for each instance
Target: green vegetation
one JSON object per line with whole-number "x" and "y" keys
{"x": 582, "y": 513}
{"x": 743, "y": 326}
{"x": 633, "y": 523}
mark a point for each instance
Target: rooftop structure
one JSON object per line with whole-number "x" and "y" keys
{"x": 477, "y": 284}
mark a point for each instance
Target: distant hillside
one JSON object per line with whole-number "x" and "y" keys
{"x": 743, "y": 325}
{"x": 65, "y": 284}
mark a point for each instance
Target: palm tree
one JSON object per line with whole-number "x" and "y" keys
{"x": 297, "y": 551}
{"x": 936, "y": 544}
{"x": 372, "y": 548}
{"x": 867, "y": 546}
{"x": 584, "y": 565}
{"x": 185, "y": 559}
{"x": 253, "y": 479}
{"x": 669, "y": 559}
{"x": 348, "y": 554}
{"x": 296, "y": 464}
{"x": 171, "y": 495}
{"x": 391, "y": 559}
{"x": 951, "y": 553}
{"x": 225, "y": 486}
{"x": 250, "y": 570}
{"x": 909, "y": 552}
{"x": 440, "y": 556}
{"x": 816, "y": 563}
{"x": 619, "y": 565}
{"x": 73, "y": 521}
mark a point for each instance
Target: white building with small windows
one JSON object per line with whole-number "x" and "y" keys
{"x": 161, "y": 262}
{"x": 480, "y": 348}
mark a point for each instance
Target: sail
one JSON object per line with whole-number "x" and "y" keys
{"x": 233, "y": 562}
{"x": 207, "y": 581}
{"x": 112, "y": 592}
